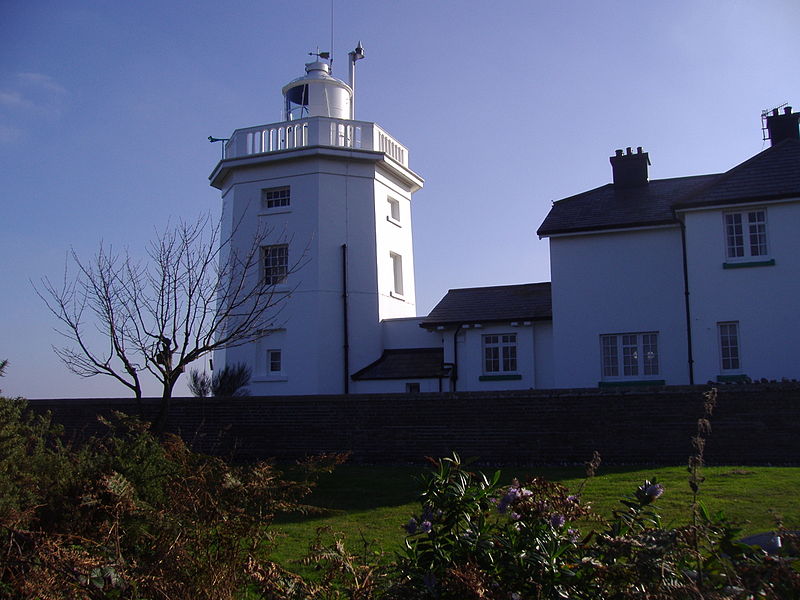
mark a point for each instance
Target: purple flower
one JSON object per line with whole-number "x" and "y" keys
{"x": 654, "y": 490}
{"x": 411, "y": 526}
{"x": 574, "y": 535}
{"x": 557, "y": 521}
{"x": 426, "y": 527}
{"x": 515, "y": 516}
{"x": 573, "y": 499}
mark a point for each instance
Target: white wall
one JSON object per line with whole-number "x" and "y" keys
{"x": 469, "y": 357}
{"x": 621, "y": 282}
{"x": 397, "y": 386}
{"x": 393, "y": 236}
{"x": 406, "y": 333}
{"x": 763, "y": 299}
{"x": 336, "y": 198}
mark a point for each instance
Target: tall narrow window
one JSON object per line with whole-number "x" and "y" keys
{"x": 636, "y": 353}
{"x": 397, "y": 267}
{"x": 729, "y": 345}
{"x": 746, "y": 234}
{"x": 500, "y": 353}
{"x": 275, "y": 261}
{"x": 274, "y": 362}
{"x": 394, "y": 211}
{"x": 275, "y": 197}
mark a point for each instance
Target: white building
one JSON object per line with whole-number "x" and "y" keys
{"x": 682, "y": 280}
{"x": 336, "y": 193}
{"x": 671, "y": 281}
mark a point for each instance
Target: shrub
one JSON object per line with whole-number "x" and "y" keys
{"x": 475, "y": 539}
{"x": 129, "y": 516}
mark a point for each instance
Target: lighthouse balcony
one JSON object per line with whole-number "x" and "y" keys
{"x": 314, "y": 131}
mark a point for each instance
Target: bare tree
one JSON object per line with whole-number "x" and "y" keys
{"x": 195, "y": 293}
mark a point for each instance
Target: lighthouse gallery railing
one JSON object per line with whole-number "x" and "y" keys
{"x": 314, "y": 131}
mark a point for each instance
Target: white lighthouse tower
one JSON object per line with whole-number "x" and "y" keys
{"x": 336, "y": 195}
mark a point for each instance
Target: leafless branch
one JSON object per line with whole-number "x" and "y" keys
{"x": 195, "y": 292}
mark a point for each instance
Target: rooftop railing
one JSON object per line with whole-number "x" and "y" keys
{"x": 314, "y": 131}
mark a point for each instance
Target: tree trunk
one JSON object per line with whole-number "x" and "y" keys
{"x": 160, "y": 422}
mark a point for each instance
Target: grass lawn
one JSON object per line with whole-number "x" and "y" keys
{"x": 372, "y": 503}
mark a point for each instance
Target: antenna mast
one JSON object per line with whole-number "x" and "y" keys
{"x": 332, "y": 54}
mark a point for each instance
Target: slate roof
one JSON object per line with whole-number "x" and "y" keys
{"x": 770, "y": 175}
{"x": 608, "y": 207}
{"x": 773, "y": 174}
{"x": 405, "y": 363}
{"x": 528, "y": 301}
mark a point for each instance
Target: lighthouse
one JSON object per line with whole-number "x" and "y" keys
{"x": 335, "y": 194}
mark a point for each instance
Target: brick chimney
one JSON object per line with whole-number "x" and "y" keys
{"x": 783, "y": 127}
{"x": 630, "y": 170}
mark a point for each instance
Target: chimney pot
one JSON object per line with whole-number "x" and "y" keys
{"x": 629, "y": 169}
{"x": 783, "y": 126}
{"x": 628, "y": 150}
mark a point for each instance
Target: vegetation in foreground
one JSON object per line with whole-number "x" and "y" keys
{"x": 130, "y": 516}
{"x": 369, "y": 504}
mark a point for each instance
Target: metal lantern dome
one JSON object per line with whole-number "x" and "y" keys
{"x": 317, "y": 94}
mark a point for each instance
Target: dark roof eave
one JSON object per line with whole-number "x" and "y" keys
{"x": 428, "y": 324}
{"x": 614, "y": 227}
{"x": 738, "y": 201}
{"x": 358, "y": 377}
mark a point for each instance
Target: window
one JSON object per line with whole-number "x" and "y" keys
{"x": 746, "y": 234}
{"x": 394, "y": 211}
{"x": 629, "y": 355}
{"x": 729, "y": 345}
{"x": 276, "y": 263}
{"x": 397, "y": 267}
{"x": 274, "y": 362}
{"x": 500, "y": 353}
{"x": 275, "y": 197}
{"x": 412, "y": 388}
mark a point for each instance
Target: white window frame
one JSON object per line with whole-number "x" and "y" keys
{"x": 397, "y": 274}
{"x": 729, "y": 343}
{"x": 275, "y": 264}
{"x": 394, "y": 211}
{"x": 276, "y": 199}
{"x": 629, "y": 356}
{"x": 745, "y": 234}
{"x": 500, "y": 356}
{"x": 272, "y": 353}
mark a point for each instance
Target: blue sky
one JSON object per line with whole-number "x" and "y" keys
{"x": 105, "y": 107}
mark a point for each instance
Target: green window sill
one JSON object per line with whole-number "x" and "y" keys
{"x": 499, "y": 377}
{"x": 732, "y": 378}
{"x": 745, "y": 265}
{"x": 632, "y": 383}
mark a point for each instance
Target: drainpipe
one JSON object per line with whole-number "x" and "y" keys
{"x": 689, "y": 353}
{"x": 454, "y": 374}
{"x": 346, "y": 349}
{"x": 444, "y": 367}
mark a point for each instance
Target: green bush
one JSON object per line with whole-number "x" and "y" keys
{"x": 475, "y": 539}
{"x": 127, "y": 515}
